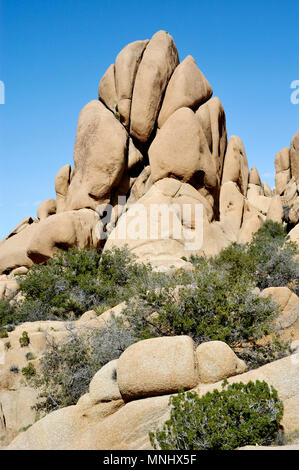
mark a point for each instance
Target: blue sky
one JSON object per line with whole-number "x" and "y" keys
{"x": 53, "y": 53}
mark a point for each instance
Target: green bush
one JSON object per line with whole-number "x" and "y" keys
{"x": 7, "y": 313}
{"x": 268, "y": 261}
{"x": 29, "y": 371}
{"x": 75, "y": 281}
{"x": 3, "y": 334}
{"x": 239, "y": 415}
{"x": 24, "y": 340}
{"x": 207, "y": 305}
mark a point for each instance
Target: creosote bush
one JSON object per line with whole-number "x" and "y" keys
{"x": 239, "y": 415}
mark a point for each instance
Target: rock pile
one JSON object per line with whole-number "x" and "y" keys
{"x": 155, "y": 136}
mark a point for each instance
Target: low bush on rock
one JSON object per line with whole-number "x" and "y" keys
{"x": 207, "y": 306}
{"x": 269, "y": 260}
{"x": 67, "y": 367}
{"x": 7, "y": 313}
{"x": 75, "y": 281}
{"x": 239, "y": 415}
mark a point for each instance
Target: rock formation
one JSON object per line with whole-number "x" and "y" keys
{"x": 153, "y": 143}
{"x": 155, "y": 122}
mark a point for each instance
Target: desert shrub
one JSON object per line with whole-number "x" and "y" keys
{"x": 239, "y": 415}
{"x": 67, "y": 368}
{"x": 207, "y": 305}
{"x": 75, "y": 281}
{"x": 24, "y": 340}
{"x": 29, "y": 371}
{"x": 30, "y": 356}
{"x": 7, "y": 313}
{"x": 3, "y": 334}
{"x": 268, "y": 261}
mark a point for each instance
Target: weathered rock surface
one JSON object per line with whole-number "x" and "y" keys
{"x": 187, "y": 87}
{"x": 159, "y": 60}
{"x": 157, "y": 366}
{"x": 99, "y": 157}
{"x": 235, "y": 164}
{"x": 216, "y": 361}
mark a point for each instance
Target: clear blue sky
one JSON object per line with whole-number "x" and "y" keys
{"x": 53, "y": 53}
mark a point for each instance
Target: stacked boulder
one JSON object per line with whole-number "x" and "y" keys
{"x": 155, "y": 136}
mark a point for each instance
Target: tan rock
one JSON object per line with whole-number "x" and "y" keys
{"x": 281, "y": 181}
{"x": 294, "y": 157}
{"x": 180, "y": 150}
{"x": 213, "y": 122}
{"x": 62, "y": 231}
{"x": 103, "y": 386}
{"x": 235, "y": 166}
{"x": 290, "y": 193}
{"x": 13, "y": 251}
{"x": 157, "y": 366}
{"x": 99, "y": 156}
{"x": 267, "y": 190}
{"x": 135, "y": 157}
{"x": 282, "y": 160}
{"x": 188, "y": 87}
{"x": 126, "y": 66}
{"x": 275, "y": 211}
{"x": 62, "y": 182}
{"x": 46, "y": 208}
{"x": 254, "y": 177}
{"x": 252, "y": 221}
{"x": 294, "y": 212}
{"x": 159, "y": 60}
{"x": 231, "y": 205}
{"x": 21, "y": 226}
{"x": 217, "y": 361}
{"x": 159, "y": 228}
{"x": 106, "y": 89}
{"x": 294, "y": 234}
{"x": 257, "y": 199}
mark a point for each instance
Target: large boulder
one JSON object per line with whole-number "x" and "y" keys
{"x": 107, "y": 90}
{"x": 294, "y": 157}
{"x": 62, "y": 231}
{"x": 283, "y": 171}
{"x": 46, "y": 208}
{"x": 180, "y": 150}
{"x": 99, "y": 156}
{"x": 62, "y": 182}
{"x": 157, "y": 366}
{"x": 13, "y": 251}
{"x": 213, "y": 122}
{"x": 275, "y": 211}
{"x": 188, "y": 87}
{"x": 159, "y": 60}
{"x": 235, "y": 166}
{"x": 217, "y": 361}
{"x": 231, "y": 204}
{"x": 254, "y": 177}
{"x": 104, "y": 387}
{"x": 126, "y": 66}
